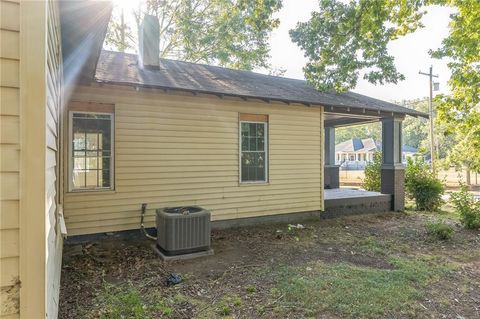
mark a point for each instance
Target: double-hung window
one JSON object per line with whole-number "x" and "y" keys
{"x": 253, "y": 148}
{"x": 91, "y": 151}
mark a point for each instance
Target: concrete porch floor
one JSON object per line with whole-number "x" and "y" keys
{"x": 337, "y": 193}
{"x": 349, "y": 201}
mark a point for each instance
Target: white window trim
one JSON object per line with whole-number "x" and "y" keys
{"x": 71, "y": 189}
{"x": 267, "y": 155}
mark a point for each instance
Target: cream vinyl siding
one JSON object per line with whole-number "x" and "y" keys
{"x": 30, "y": 96}
{"x": 9, "y": 158}
{"x": 175, "y": 149}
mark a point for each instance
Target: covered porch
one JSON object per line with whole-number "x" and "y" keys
{"x": 344, "y": 201}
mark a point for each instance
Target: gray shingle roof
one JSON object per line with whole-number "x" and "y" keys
{"x": 356, "y": 145}
{"x": 122, "y": 68}
{"x": 365, "y": 145}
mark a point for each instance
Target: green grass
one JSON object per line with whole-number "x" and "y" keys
{"x": 227, "y": 304}
{"x": 118, "y": 302}
{"x": 439, "y": 231}
{"x": 250, "y": 289}
{"x": 373, "y": 245}
{"x": 354, "y": 291}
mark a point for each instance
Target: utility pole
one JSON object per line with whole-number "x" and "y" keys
{"x": 430, "y": 110}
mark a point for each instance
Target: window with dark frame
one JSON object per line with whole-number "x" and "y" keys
{"x": 254, "y": 163}
{"x": 91, "y": 154}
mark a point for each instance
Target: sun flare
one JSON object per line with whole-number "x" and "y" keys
{"x": 126, "y": 4}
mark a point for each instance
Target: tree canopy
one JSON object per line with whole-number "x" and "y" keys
{"x": 342, "y": 41}
{"x": 231, "y": 33}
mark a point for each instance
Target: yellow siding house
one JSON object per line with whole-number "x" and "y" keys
{"x": 88, "y": 136}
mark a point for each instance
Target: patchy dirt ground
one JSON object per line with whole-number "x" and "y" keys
{"x": 370, "y": 266}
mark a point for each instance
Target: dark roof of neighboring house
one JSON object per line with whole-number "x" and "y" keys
{"x": 365, "y": 145}
{"x": 123, "y": 68}
{"x": 356, "y": 145}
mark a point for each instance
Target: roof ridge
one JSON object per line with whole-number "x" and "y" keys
{"x": 216, "y": 66}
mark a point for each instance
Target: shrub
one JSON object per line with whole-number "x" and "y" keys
{"x": 372, "y": 181}
{"x": 422, "y": 185}
{"x": 439, "y": 230}
{"x": 467, "y": 207}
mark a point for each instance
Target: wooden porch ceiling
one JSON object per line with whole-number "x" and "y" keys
{"x": 346, "y": 116}
{"x": 340, "y": 119}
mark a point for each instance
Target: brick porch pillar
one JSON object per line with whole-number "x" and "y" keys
{"x": 331, "y": 171}
{"x": 393, "y": 171}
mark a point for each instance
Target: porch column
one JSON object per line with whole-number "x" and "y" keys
{"x": 331, "y": 171}
{"x": 393, "y": 171}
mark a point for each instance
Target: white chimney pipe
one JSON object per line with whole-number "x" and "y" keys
{"x": 149, "y": 43}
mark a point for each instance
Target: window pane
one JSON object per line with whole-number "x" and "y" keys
{"x": 260, "y": 130}
{"x": 92, "y": 163}
{"x": 91, "y": 176}
{"x": 92, "y": 141}
{"x": 79, "y": 141}
{"x": 104, "y": 153}
{"x": 252, "y": 144}
{"x": 78, "y": 179}
{"x": 260, "y": 174}
{"x": 260, "y": 144}
{"x": 244, "y": 173}
{"x": 79, "y": 163}
{"x": 104, "y": 178}
{"x": 253, "y": 129}
{"x": 245, "y": 129}
{"x": 91, "y": 153}
{"x": 244, "y": 143}
{"x": 105, "y": 162}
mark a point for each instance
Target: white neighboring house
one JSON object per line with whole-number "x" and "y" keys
{"x": 356, "y": 153}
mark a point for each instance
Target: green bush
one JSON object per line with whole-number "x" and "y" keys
{"x": 372, "y": 181}
{"x": 467, "y": 207}
{"x": 439, "y": 230}
{"x": 422, "y": 185}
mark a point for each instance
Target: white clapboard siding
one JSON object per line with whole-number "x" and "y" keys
{"x": 53, "y": 112}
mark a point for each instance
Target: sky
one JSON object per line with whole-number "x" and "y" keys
{"x": 410, "y": 52}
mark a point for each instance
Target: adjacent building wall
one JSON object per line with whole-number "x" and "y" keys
{"x": 9, "y": 158}
{"x": 31, "y": 100}
{"x": 183, "y": 149}
{"x": 53, "y": 112}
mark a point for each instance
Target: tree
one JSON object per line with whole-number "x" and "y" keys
{"x": 119, "y": 33}
{"x": 459, "y": 113}
{"x": 373, "y": 130}
{"x": 231, "y": 33}
{"x": 344, "y": 40}
{"x": 415, "y": 129}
